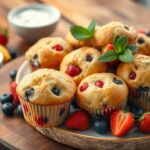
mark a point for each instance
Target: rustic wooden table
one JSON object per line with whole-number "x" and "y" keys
{"x": 16, "y": 131}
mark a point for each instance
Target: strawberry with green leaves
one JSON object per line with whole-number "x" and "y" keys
{"x": 4, "y": 37}
{"x": 144, "y": 123}
{"x": 121, "y": 122}
{"x": 119, "y": 50}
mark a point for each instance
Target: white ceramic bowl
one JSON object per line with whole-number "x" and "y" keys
{"x": 33, "y": 33}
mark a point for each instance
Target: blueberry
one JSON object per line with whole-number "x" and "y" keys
{"x": 13, "y": 54}
{"x": 148, "y": 33}
{"x": 74, "y": 103}
{"x": 126, "y": 27}
{"x": 89, "y": 58}
{"x": 13, "y": 74}
{"x": 117, "y": 81}
{"x": 143, "y": 89}
{"x": 8, "y": 109}
{"x": 19, "y": 109}
{"x": 140, "y": 41}
{"x": 101, "y": 125}
{"x": 137, "y": 112}
{"x": 29, "y": 93}
{"x": 6, "y": 98}
{"x": 56, "y": 91}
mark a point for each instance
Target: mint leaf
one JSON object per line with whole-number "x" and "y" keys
{"x": 80, "y": 33}
{"x": 132, "y": 48}
{"x": 120, "y": 43}
{"x": 126, "y": 56}
{"x": 91, "y": 26}
{"x": 108, "y": 56}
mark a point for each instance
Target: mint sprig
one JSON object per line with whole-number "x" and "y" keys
{"x": 81, "y": 33}
{"x": 122, "y": 50}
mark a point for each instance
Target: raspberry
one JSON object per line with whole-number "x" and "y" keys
{"x": 99, "y": 83}
{"x": 83, "y": 87}
{"x": 73, "y": 70}
{"x": 57, "y": 47}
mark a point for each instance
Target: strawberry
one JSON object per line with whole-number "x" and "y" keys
{"x": 3, "y": 37}
{"x": 144, "y": 123}
{"x": 13, "y": 86}
{"x": 110, "y": 47}
{"x": 121, "y": 122}
{"x": 79, "y": 120}
{"x": 73, "y": 70}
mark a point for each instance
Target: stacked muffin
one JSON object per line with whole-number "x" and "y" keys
{"x": 83, "y": 63}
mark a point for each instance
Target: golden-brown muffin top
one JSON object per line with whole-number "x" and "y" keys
{"x": 143, "y": 44}
{"x": 136, "y": 73}
{"x": 101, "y": 90}
{"x": 81, "y": 63}
{"x": 46, "y": 87}
{"x": 48, "y": 52}
{"x": 106, "y": 33}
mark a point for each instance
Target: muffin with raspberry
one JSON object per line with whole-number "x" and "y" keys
{"x": 143, "y": 44}
{"x": 81, "y": 63}
{"x": 47, "y": 53}
{"x": 45, "y": 96}
{"x": 106, "y": 33}
{"x": 137, "y": 76}
{"x": 101, "y": 93}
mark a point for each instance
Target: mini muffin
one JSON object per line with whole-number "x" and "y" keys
{"x": 81, "y": 63}
{"x": 143, "y": 44}
{"x": 45, "y": 96}
{"x": 79, "y": 43}
{"x": 137, "y": 76}
{"x": 48, "y": 52}
{"x": 106, "y": 33}
{"x": 101, "y": 93}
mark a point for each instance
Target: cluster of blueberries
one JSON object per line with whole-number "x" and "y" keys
{"x": 7, "y": 101}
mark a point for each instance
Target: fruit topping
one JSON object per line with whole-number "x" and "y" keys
{"x": 6, "y": 98}
{"x": 132, "y": 75}
{"x": 29, "y": 93}
{"x": 83, "y": 87}
{"x": 117, "y": 81}
{"x": 140, "y": 40}
{"x": 143, "y": 89}
{"x": 89, "y": 58}
{"x": 101, "y": 125}
{"x": 144, "y": 123}
{"x": 57, "y": 47}
{"x": 121, "y": 122}
{"x": 56, "y": 91}
{"x": 99, "y": 83}
{"x": 79, "y": 120}
{"x": 73, "y": 70}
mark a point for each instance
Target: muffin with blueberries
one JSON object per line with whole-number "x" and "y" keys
{"x": 137, "y": 76}
{"x": 101, "y": 93}
{"x": 45, "y": 97}
{"x": 47, "y": 53}
{"x": 143, "y": 44}
{"x": 82, "y": 62}
{"x": 106, "y": 33}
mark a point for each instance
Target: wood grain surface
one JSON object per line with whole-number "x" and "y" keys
{"x": 14, "y": 130}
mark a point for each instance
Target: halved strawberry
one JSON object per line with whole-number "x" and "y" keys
{"x": 79, "y": 120}
{"x": 144, "y": 123}
{"x": 121, "y": 122}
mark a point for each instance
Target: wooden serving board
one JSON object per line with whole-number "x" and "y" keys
{"x": 89, "y": 139}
